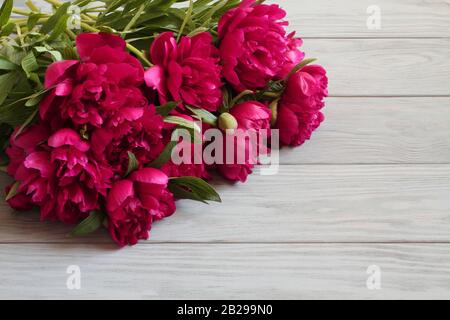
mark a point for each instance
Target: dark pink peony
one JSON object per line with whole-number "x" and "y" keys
{"x": 255, "y": 47}
{"x": 251, "y": 116}
{"x": 23, "y": 144}
{"x": 142, "y": 137}
{"x": 62, "y": 179}
{"x": 100, "y": 90}
{"x": 188, "y": 72}
{"x": 135, "y": 203}
{"x": 299, "y": 110}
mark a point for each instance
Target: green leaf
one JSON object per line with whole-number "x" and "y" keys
{"x": 191, "y": 126}
{"x": 182, "y": 122}
{"x": 204, "y": 115}
{"x": 56, "y": 55}
{"x": 54, "y": 20}
{"x": 33, "y": 20}
{"x": 13, "y": 192}
{"x": 8, "y": 29}
{"x": 7, "y": 82}
{"x": 165, "y": 156}
{"x": 29, "y": 64}
{"x": 5, "y": 12}
{"x": 165, "y": 109}
{"x": 193, "y": 188}
{"x": 133, "y": 163}
{"x": 89, "y": 225}
{"x": 27, "y": 122}
{"x": 5, "y": 64}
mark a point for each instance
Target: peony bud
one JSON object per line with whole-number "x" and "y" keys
{"x": 227, "y": 122}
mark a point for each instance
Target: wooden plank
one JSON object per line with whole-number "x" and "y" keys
{"x": 348, "y": 18}
{"x": 223, "y": 271}
{"x": 384, "y": 67}
{"x": 378, "y": 131}
{"x": 312, "y": 203}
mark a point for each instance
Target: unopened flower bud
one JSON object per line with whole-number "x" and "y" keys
{"x": 227, "y": 122}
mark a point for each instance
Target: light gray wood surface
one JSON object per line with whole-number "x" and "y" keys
{"x": 371, "y": 188}
{"x": 312, "y": 203}
{"x": 226, "y": 271}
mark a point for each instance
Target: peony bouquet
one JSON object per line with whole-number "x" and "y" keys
{"x": 110, "y": 111}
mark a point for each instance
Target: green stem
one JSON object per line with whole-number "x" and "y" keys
{"x": 133, "y": 20}
{"x": 21, "y": 12}
{"x": 186, "y": 19}
{"x": 140, "y": 54}
{"x": 71, "y": 34}
{"x": 87, "y": 27}
{"x": 32, "y": 6}
{"x": 271, "y": 95}
{"x": 240, "y": 96}
{"x": 56, "y": 3}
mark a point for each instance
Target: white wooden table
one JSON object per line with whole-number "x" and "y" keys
{"x": 371, "y": 189}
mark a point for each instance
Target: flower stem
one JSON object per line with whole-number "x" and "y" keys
{"x": 32, "y": 6}
{"x": 133, "y": 20}
{"x": 21, "y": 12}
{"x": 140, "y": 54}
{"x": 71, "y": 34}
{"x": 56, "y": 3}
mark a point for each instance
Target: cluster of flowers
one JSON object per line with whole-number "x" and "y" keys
{"x": 99, "y": 117}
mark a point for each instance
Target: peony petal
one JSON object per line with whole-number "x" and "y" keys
{"x": 41, "y": 162}
{"x": 155, "y": 78}
{"x": 57, "y": 71}
{"x": 68, "y": 137}
{"x": 162, "y": 47}
{"x": 88, "y": 42}
{"x": 150, "y": 176}
{"x": 117, "y": 196}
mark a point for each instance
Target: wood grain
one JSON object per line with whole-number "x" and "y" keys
{"x": 378, "y": 131}
{"x": 224, "y": 271}
{"x": 348, "y": 18}
{"x": 314, "y": 203}
{"x": 384, "y": 67}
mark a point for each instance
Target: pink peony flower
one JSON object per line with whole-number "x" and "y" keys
{"x": 135, "y": 203}
{"x": 62, "y": 179}
{"x": 187, "y": 72}
{"x": 299, "y": 110}
{"x": 250, "y": 116}
{"x": 255, "y": 47}
{"x": 24, "y": 144}
{"x": 104, "y": 86}
{"x": 142, "y": 137}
